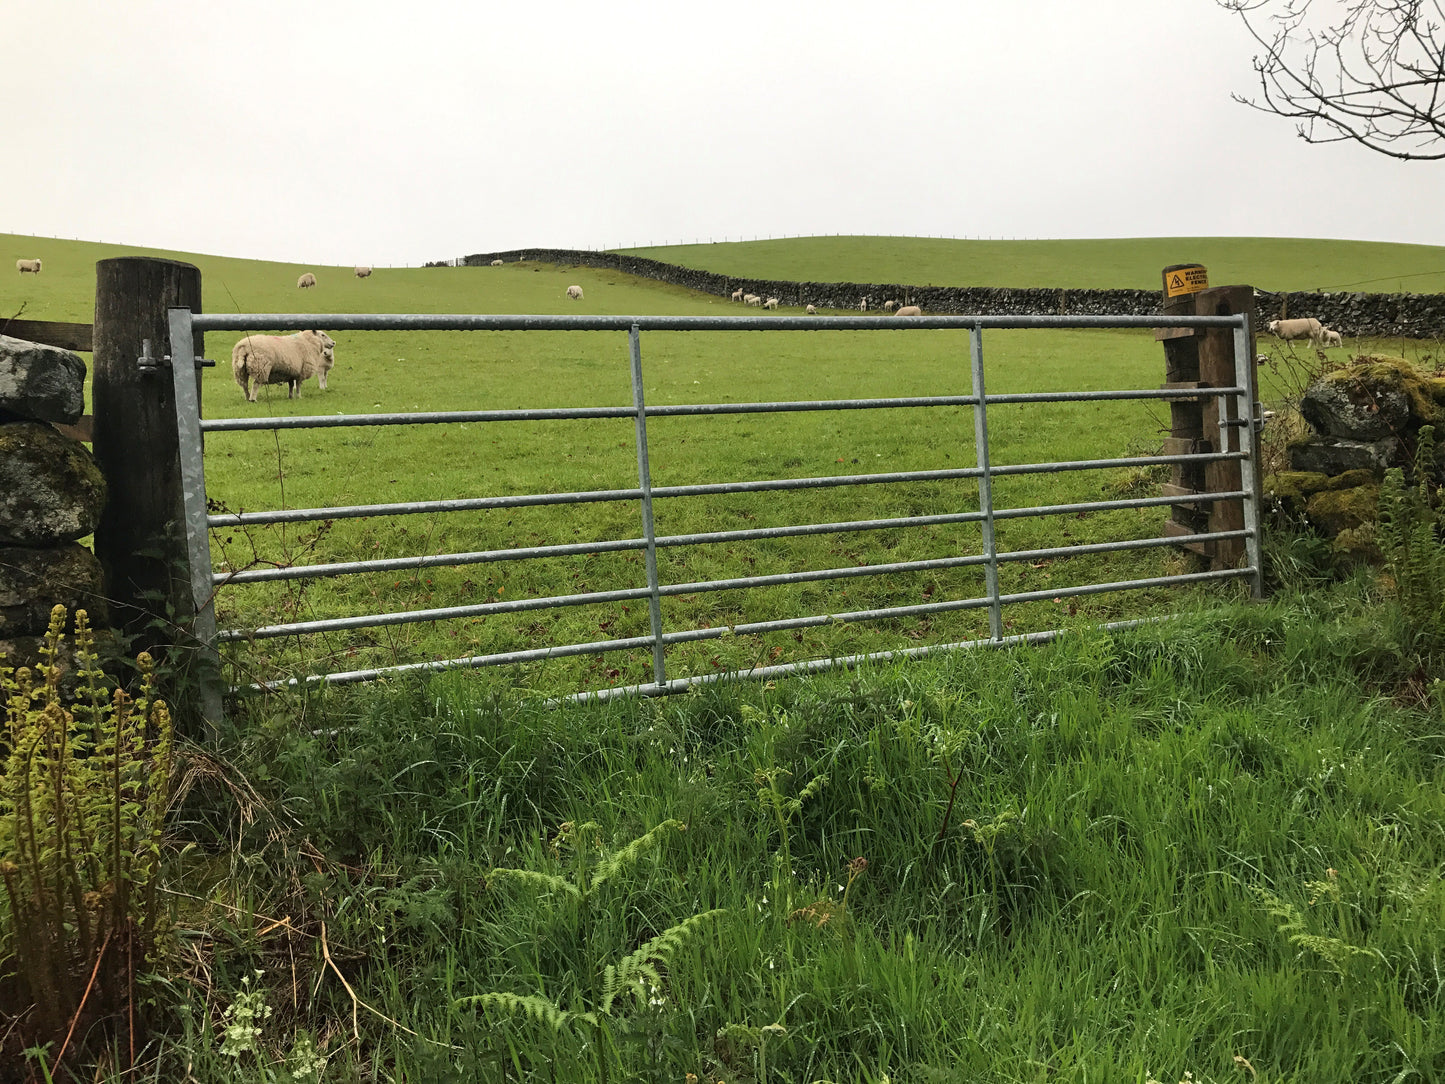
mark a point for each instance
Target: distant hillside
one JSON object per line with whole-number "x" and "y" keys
{"x": 1270, "y": 263}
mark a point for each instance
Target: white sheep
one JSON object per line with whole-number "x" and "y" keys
{"x": 738, "y": 294}
{"x": 770, "y": 303}
{"x": 575, "y": 293}
{"x": 909, "y": 310}
{"x": 863, "y": 305}
{"x": 1332, "y": 338}
{"x": 363, "y": 272}
{"x": 282, "y": 359}
{"x": 32, "y": 266}
{"x": 811, "y": 311}
{"x": 889, "y": 306}
{"x": 496, "y": 263}
{"x": 752, "y": 299}
{"x": 305, "y": 281}
{"x": 1304, "y": 328}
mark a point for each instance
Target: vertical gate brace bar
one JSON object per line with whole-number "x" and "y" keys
{"x": 644, "y": 481}
{"x": 985, "y": 483}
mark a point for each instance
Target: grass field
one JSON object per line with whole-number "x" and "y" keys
{"x": 1267, "y": 263}
{"x": 444, "y": 371}
{"x": 1206, "y": 850}
{"x": 1117, "y": 858}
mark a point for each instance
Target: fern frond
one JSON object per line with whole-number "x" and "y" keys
{"x": 532, "y": 1006}
{"x": 641, "y": 962}
{"x": 628, "y": 856}
{"x": 538, "y": 882}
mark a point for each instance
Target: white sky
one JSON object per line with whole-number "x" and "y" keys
{"x": 365, "y": 132}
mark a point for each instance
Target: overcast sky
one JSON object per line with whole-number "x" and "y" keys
{"x": 361, "y": 132}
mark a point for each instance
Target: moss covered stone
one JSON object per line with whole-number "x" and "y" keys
{"x": 1337, "y": 510}
{"x": 32, "y": 581}
{"x": 51, "y": 491}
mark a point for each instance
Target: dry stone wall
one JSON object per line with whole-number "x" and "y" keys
{"x": 51, "y": 494}
{"x": 1419, "y": 316}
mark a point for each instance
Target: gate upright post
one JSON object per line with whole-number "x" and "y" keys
{"x": 198, "y": 533}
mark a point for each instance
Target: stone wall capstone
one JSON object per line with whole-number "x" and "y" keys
{"x": 1417, "y": 316}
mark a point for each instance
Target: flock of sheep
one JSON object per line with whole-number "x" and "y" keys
{"x": 772, "y": 303}
{"x": 293, "y": 359}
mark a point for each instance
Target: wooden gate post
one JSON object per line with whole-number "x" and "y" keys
{"x": 141, "y": 539}
{"x": 1182, "y": 283}
{"x": 1205, "y": 359}
{"x": 1216, "y": 370}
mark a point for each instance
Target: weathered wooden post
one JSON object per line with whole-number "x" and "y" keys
{"x": 1205, "y": 359}
{"x": 141, "y": 541}
{"x": 1186, "y": 420}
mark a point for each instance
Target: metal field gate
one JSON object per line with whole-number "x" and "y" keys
{"x": 1236, "y": 414}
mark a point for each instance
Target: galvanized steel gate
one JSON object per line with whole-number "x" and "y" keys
{"x": 1236, "y": 418}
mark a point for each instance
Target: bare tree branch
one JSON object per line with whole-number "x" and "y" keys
{"x": 1370, "y": 71}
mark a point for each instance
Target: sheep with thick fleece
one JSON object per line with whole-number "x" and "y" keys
{"x": 770, "y": 303}
{"x": 495, "y": 263}
{"x": 1331, "y": 338}
{"x": 306, "y": 281}
{"x": 32, "y": 266}
{"x": 909, "y": 310}
{"x": 282, "y": 359}
{"x": 1306, "y": 327}
{"x": 575, "y": 293}
{"x": 363, "y": 272}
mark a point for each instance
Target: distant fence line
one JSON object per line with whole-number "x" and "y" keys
{"x": 1416, "y": 316}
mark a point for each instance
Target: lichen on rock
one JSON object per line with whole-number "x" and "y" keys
{"x": 40, "y": 383}
{"x": 51, "y": 491}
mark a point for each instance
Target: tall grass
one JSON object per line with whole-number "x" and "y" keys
{"x": 1114, "y": 857}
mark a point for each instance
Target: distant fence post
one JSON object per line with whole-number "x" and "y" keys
{"x": 141, "y": 540}
{"x": 1205, "y": 359}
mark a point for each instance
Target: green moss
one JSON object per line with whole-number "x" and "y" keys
{"x": 1382, "y": 371}
{"x": 1295, "y": 485}
{"x": 1350, "y": 479}
{"x": 1337, "y": 510}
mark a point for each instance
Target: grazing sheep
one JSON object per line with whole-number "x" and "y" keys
{"x": 32, "y": 266}
{"x": 752, "y": 299}
{"x": 889, "y": 306}
{"x": 1304, "y": 328}
{"x": 770, "y": 303}
{"x": 1332, "y": 338}
{"x": 282, "y": 359}
{"x": 495, "y": 263}
{"x": 738, "y": 294}
{"x": 575, "y": 293}
{"x": 363, "y": 272}
{"x": 811, "y": 311}
{"x": 305, "y": 281}
{"x": 909, "y": 310}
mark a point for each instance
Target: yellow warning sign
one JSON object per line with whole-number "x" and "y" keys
{"x": 1187, "y": 280}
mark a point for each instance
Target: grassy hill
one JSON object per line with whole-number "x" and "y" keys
{"x": 1270, "y": 263}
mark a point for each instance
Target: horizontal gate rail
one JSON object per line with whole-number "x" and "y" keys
{"x": 686, "y": 410}
{"x": 1234, "y": 412}
{"x": 532, "y": 500}
{"x": 211, "y": 321}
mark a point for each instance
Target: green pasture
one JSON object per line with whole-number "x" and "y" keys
{"x": 390, "y": 371}
{"x": 1117, "y": 858}
{"x": 1269, "y": 263}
